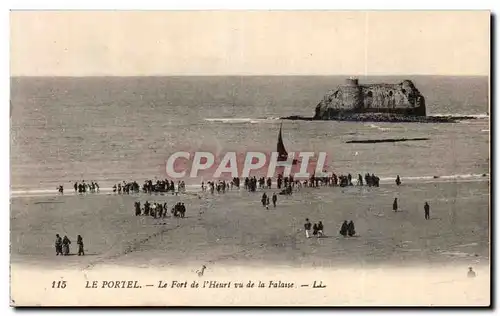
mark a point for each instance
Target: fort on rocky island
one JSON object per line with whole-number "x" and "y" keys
{"x": 353, "y": 100}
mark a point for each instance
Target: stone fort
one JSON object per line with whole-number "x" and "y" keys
{"x": 351, "y": 97}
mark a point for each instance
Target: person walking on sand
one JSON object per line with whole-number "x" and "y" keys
{"x": 315, "y": 229}
{"x": 427, "y": 210}
{"x": 350, "y": 229}
{"x": 58, "y": 245}
{"x": 275, "y": 199}
{"x": 79, "y": 241}
{"x": 65, "y": 245}
{"x": 343, "y": 229}
{"x": 395, "y": 205}
{"x": 320, "y": 229}
{"x": 307, "y": 227}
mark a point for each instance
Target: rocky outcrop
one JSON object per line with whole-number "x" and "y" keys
{"x": 388, "y": 140}
{"x": 401, "y": 102}
{"x": 383, "y": 117}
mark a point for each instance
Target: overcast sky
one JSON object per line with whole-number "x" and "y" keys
{"x": 141, "y": 43}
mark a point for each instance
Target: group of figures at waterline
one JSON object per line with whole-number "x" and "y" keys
{"x": 280, "y": 163}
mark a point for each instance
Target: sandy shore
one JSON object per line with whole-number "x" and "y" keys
{"x": 234, "y": 237}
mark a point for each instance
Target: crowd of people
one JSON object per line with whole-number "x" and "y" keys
{"x": 251, "y": 184}
{"x": 317, "y": 229}
{"x": 83, "y": 187}
{"x": 160, "y": 186}
{"x": 63, "y": 245}
{"x": 265, "y": 200}
{"x": 221, "y": 186}
{"x": 159, "y": 210}
{"x": 285, "y": 184}
{"x": 347, "y": 229}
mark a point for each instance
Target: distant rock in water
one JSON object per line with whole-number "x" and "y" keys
{"x": 352, "y": 98}
{"x": 389, "y": 140}
{"x": 401, "y": 102}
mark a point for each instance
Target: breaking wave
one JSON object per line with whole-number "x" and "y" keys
{"x": 244, "y": 120}
{"x": 249, "y": 120}
{"x": 383, "y": 129}
{"x": 475, "y": 116}
{"x": 437, "y": 177}
{"x": 193, "y": 189}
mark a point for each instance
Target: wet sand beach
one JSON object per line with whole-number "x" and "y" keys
{"x": 235, "y": 227}
{"x": 233, "y": 231}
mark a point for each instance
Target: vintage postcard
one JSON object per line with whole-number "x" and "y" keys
{"x": 250, "y": 158}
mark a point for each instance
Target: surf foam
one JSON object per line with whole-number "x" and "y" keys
{"x": 195, "y": 188}
{"x": 241, "y": 120}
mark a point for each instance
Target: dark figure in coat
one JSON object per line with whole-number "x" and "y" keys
{"x": 350, "y": 229}
{"x": 320, "y": 229}
{"x": 65, "y": 245}
{"x": 79, "y": 241}
{"x": 58, "y": 245}
{"x": 427, "y": 210}
{"x": 137, "y": 208}
{"x": 343, "y": 229}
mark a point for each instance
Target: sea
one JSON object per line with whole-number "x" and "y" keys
{"x": 114, "y": 129}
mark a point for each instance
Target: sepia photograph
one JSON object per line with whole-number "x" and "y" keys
{"x": 250, "y": 158}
